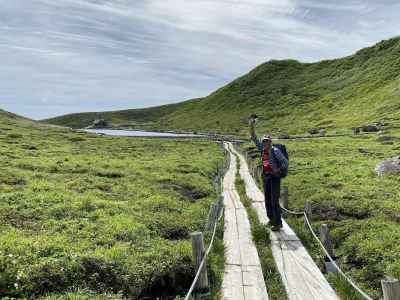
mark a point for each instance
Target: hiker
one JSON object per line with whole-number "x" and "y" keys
{"x": 275, "y": 166}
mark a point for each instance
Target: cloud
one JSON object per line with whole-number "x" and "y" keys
{"x": 76, "y": 55}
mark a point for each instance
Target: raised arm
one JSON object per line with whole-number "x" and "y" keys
{"x": 253, "y": 134}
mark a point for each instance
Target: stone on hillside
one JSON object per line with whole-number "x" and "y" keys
{"x": 370, "y": 128}
{"x": 99, "y": 123}
{"x": 356, "y": 130}
{"x": 253, "y": 116}
{"x": 313, "y": 131}
{"x": 382, "y": 123}
{"x": 386, "y": 138}
{"x": 389, "y": 167}
{"x": 322, "y": 132}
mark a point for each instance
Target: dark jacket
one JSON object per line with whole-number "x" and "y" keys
{"x": 276, "y": 158}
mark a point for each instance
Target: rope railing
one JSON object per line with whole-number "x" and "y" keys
{"x": 328, "y": 256}
{"x": 196, "y": 278}
{"x": 349, "y": 280}
{"x": 218, "y": 206}
{"x": 340, "y": 271}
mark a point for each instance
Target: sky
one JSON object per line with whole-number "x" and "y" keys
{"x": 64, "y": 56}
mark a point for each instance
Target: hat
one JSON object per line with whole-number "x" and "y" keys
{"x": 266, "y": 137}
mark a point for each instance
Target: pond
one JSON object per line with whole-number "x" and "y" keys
{"x": 137, "y": 133}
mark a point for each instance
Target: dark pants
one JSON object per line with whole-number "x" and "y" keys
{"x": 272, "y": 190}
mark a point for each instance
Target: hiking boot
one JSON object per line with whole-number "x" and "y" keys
{"x": 276, "y": 227}
{"x": 270, "y": 224}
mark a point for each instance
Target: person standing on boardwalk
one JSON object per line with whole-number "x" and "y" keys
{"x": 275, "y": 166}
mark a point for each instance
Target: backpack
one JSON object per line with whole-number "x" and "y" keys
{"x": 282, "y": 148}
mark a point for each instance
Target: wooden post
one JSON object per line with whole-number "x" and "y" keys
{"x": 326, "y": 240}
{"x": 285, "y": 197}
{"x": 308, "y": 211}
{"x": 390, "y": 288}
{"x": 212, "y": 217}
{"x": 198, "y": 254}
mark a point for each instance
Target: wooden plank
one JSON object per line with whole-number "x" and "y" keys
{"x": 243, "y": 278}
{"x": 300, "y": 275}
{"x": 253, "y": 281}
{"x": 390, "y": 288}
{"x": 231, "y": 237}
{"x": 232, "y": 287}
{"x": 248, "y": 251}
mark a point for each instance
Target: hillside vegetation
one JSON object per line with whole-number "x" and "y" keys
{"x": 287, "y": 95}
{"x": 89, "y": 217}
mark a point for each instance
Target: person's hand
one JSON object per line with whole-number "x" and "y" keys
{"x": 252, "y": 121}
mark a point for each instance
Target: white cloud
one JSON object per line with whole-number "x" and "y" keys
{"x": 72, "y": 55}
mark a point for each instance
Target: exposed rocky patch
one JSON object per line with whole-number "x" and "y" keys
{"x": 389, "y": 167}
{"x": 370, "y": 128}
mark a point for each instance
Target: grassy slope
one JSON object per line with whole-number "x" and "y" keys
{"x": 289, "y": 95}
{"x": 111, "y": 215}
{"x": 361, "y": 209}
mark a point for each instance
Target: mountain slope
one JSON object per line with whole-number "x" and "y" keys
{"x": 293, "y": 96}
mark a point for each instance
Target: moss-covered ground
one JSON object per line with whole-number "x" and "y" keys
{"x": 362, "y": 210}
{"x": 90, "y": 217}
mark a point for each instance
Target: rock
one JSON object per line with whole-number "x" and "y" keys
{"x": 284, "y": 137}
{"x": 253, "y": 116}
{"x": 313, "y": 131}
{"x": 322, "y": 132}
{"x": 382, "y": 123}
{"x": 99, "y": 123}
{"x": 389, "y": 167}
{"x": 363, "y": 151}
{"x": 386, "y": 138}
{"x": 356, "y": 130}
{"x": 370, "y": 128}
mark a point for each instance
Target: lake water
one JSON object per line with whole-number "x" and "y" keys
{"x": 135, "y": 133}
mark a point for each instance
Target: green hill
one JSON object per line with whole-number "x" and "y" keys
{"x": 287, "y": 94}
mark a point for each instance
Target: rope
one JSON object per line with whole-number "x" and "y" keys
{"x": 220, "y": 179}
{"x": 292, "y": 212}
{"x": 349, "y": 280}
{"x": 203, "y": 260}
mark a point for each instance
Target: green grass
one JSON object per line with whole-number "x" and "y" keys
{"x": 83, "y": 216}
{"x": 288, "y": 96}
{"x": 336, "y": 175}
{"x": 260, "y": 235}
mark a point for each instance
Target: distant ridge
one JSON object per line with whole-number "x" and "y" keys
{"x": 286, "y": 95}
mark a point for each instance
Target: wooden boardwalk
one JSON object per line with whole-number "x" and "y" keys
{"x": 243, "y": 278}
{"x": 300, "y": 275}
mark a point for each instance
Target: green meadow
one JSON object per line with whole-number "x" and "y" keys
{"x": 362, "y": 210}
{"x": 90, "y": 217}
